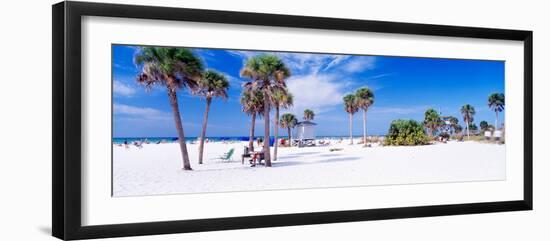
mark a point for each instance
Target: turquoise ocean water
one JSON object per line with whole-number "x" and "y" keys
{"x": 120, "y": 140}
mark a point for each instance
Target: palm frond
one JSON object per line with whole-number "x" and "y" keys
{"x": 364, "y": 98}
{"x": 213, "y": 84}
{"x": 174, "y": 68}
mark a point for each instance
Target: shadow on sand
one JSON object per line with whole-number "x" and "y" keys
{"x": 280, "y": 163}
{"x": 297, "y": 163}
{"x": 331, "y": 155}
{"x": 298, "y": 154}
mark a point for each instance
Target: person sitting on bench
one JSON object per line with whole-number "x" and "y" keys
{"x": 257, "y": 155}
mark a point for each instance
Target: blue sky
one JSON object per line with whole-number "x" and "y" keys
{"x": 404, "y": 88}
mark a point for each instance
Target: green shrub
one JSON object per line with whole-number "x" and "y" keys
{"x": 406, "y": 133}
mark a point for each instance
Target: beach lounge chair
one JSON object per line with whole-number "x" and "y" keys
{"x": 306, "y": 142}
{"x": 228, "y": 155}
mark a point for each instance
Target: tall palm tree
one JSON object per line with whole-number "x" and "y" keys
{"x": 174, "y": 68}
{"x": 468, "y": 113}
{"x": 309, "y": 115}
{"x": 213, "y": 84}
{"x": 364, "y": 98}
{"x": 288, "y": 121}
{"x": 496, "y": 103}
{"x": 267, "y": 73}
{"x": 253, "y": 105}
{"x": 281, "y": 98}
{"x": 350, "y": 105}
{"x": 432, "y": 121}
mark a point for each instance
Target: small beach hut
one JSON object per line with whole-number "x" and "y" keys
{"x": 305, "y": 132}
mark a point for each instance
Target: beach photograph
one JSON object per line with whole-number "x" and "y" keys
{"x": 191, "y": 120}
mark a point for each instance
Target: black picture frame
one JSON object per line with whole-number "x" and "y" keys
{"x": 66, "y": 169}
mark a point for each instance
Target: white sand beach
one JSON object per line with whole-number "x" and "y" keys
{"x": 156, "y": 168}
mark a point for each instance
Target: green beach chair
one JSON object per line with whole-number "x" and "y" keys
{"x": 228, "y": 155}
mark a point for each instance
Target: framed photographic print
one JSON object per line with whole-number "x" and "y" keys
{"x": 169, "y": 120}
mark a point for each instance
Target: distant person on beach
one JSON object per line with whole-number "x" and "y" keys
{"x": 138, "y": 144}
{"x": 126, "y": 144}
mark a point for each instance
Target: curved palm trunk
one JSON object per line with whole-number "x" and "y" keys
{"x": 251, "y": 139}
{"x": 276, "y": 132}
{"x": 364, "y": 127}
{"x": 179, "y": 127}
{"x": 203, "y": 133}
{"x": 350, "y": 128}
{"x": 267, "y": 155}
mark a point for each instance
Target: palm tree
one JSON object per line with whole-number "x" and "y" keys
{"x": 468, "y": 113}
{"x": 432, "y": 121}
{"x": 309, "y": 115}
{"x": 253, "y": 105}
{"x": 483, "y": 125}
{"x": 213, "y": 84}
{"x": 496, "y": 103}
{"x": 288, "y": 121}
{"x": 453, "y": 121}
{"x": 457, "y": 129}
{"x": 350, "y": 105}
{"x": 280, "y": 98}
{"x": 364, "y": 98}
{"x": 174, "y": 68}
{"x": 473, "y": 127}
{"x": 267, "y": 73}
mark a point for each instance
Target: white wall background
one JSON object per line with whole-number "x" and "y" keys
{"x": 25, "y": 122}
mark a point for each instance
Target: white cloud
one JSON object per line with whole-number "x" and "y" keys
{"x": 317, "y": 92}
{"x": 359, "y": 64}
{"x": 122, "y": 89}
{"x": 148, "y": 117}
{"x": 139, "y": 112}
{"x": 317, "y": 80}
{"x": 379, "y": 76}
{"x": 336, "y": 61}
{"x": 399, "y": 110}
{"x": 313, "y": 63}
{"x": 298, "y": 62}
{"x": 304, "y": 63}
{"x": 242, "y": 54}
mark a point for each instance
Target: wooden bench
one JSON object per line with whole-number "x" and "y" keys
{"x": 248, "y": 154}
